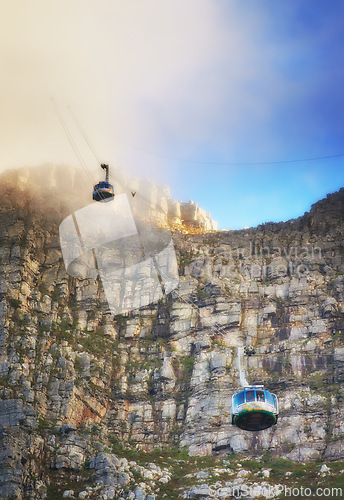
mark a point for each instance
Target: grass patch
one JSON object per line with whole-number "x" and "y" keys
{"x": 15, "y": 303}
{"x": 62, "y": 481}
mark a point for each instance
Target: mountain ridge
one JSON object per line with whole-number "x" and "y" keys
{"x": 128, "y": 406}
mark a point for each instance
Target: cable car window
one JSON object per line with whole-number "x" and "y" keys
{"x": 269, "y": 398}
{"x": 260, "y": 396}
{"x": 249, "y": 396}
{"x": 240, "y": 398}
{"x": 275, "y": 400}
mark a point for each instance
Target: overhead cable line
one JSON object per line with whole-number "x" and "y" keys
{"x": 213, "y": 327}
{"x": 88, "y": 142}
{"x": 112, "y": 176}
{"x": 224, "y": 163}
{"x": 70, "y": 139}
{"x": 202, "y": 162}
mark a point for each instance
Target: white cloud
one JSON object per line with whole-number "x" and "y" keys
{"x": 136, "y": 71}
{"x": 185, "y": 78}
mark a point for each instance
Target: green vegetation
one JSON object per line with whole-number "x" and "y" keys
{"x": 279, "y": 466}
{"x": 203, "y": 293}
{"x": 96, "y": 343}
{"x": 121, "y": 321}
{"x": 61, "y": 481}
{"x": 184, "y": 470}
{"x": 188, "y": 363}
{"x": 63, "y": 331}
{"x": 4, "y": 380}
{"x": 78, "y": 364}
{"x": 211, "y": 239}
{"x": 15, "y": 303}
{"x": 186, "y": 257}
{"x": 55, "y": 296}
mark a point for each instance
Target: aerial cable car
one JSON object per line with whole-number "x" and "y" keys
{"x": 103, "y": 191}
{"x": 253, "y": 408}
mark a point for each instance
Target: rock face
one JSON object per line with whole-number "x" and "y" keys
{"x": 71, "y": 187}
{"x": 85, "y": 395}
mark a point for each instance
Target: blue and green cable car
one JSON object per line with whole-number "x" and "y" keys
{"x": 254, "y": 408}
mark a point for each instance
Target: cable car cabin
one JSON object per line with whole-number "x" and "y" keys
{"x": 103, "y": 191}
{"x": 254, "y": 409}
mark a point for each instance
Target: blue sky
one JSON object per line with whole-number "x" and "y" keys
{"x": 202, "y": 95}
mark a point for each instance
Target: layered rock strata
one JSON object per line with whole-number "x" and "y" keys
{"x": 79, "y": 387}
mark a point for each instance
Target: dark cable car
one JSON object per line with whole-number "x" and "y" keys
{"x": 254, "y": 408}
{"x": 103, "y": 191}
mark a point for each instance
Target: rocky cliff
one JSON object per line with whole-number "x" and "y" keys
{"x": 71, "y": 186}
{"x": 137, "y": 406}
